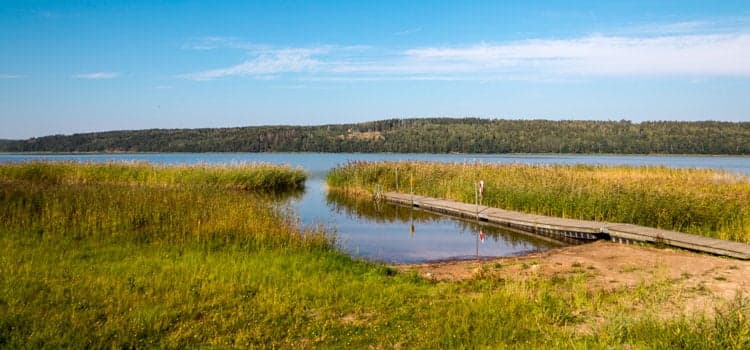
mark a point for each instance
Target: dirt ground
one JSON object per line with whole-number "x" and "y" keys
{"x": 702, "y": 281}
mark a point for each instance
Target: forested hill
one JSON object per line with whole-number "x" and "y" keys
{"x": 437, "y": 135}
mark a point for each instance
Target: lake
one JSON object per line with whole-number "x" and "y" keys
{"x": 390, "y": 233}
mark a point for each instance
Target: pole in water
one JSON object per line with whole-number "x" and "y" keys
{"x": 411, "y": 219}
{"x": 477, "y": 243}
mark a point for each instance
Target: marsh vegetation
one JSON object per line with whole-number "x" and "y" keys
{"x": 700, "y": 201}
{"x": 93, "y": 256}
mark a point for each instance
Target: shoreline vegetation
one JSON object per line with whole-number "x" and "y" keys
{"x": 698, "y": 201}
{"x": 261, "y": 177}
{"x": 140, "y": 256}
{"x": 419, "y": 135}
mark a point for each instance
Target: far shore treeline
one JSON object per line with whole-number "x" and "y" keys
{"x": 434, "y": 135}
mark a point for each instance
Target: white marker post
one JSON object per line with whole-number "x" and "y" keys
{"x": 397, "y": 179}
{"x": 481, "y": 190}
{"x": 476, "y": 200}
{"x": 478, "y": 192}
{"x": 411, "y": 188}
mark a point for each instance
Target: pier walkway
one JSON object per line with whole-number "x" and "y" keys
{"x": 571, "y": 228}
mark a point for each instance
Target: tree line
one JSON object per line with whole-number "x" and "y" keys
{"x": 430, "y": 135}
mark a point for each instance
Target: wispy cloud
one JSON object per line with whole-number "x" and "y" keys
{"x": 218, "y": 42}
{"x": 686, "y": 27}
{"x": 407, "y": 31}
{"x": 48, "y": 14}
{"x": 672, "y": 50}
{"x": 11, "y": 76}
{"x": 701, "y": 27}
{"x": 693, "y": 55}
{"x": 97, "y": 75}
{"x": 266, "y": 64}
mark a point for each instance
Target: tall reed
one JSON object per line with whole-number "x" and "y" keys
{"x": 157, "y": 264}
{"x": 243, "y": 176}
{"x": 699, "y": 201}
{"x": 151, "y": 204}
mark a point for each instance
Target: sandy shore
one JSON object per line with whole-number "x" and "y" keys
{"x": 700, "y": 281}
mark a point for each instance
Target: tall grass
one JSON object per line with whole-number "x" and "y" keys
{"x": 699, "y": 201}
{"x": 91, "y": 296}
{"x": 138, "y": 202}
{"x": 244, "y": 176}
{"x": 132, "y": 265}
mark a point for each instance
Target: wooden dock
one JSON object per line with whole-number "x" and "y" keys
{"x": 571, "y": 228}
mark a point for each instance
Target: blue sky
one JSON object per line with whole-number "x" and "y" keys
{"x": 80, "y": 66}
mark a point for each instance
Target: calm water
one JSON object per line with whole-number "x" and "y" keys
{"x": 397, "y": 234}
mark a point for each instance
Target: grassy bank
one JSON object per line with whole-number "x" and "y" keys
{"x": 244, "y": 176}
{"x": 704, "y": 202}
{"x": 92, "y": 264}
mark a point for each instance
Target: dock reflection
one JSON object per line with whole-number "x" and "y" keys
{"x": 381, "y": 212}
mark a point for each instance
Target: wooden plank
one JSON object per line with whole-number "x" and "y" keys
{"x": 573, "y": 228}
{"x": 682, "y": 240}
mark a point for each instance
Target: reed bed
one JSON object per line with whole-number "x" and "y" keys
{"x": 139, "y": 202}
{"x": 129, "y": 264}
{"x": 243, "y": 176}
{"x": 705, "y": 202}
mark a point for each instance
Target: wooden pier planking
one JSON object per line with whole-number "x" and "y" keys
{"x": 572, "y": 228}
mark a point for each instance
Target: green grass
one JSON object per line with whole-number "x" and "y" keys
{"x": 258, "y": 177}
{"x": 699, "y": 201}
{"x": 95, "y": 265}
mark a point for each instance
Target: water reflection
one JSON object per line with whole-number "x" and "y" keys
{"x": 286, "y": 197}
{"x": 395, "y": 233}
{"x": 376, "y": 211}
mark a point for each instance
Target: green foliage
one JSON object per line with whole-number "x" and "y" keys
{"x": 699, "y": 201}
{"x": 432, "y": 135}
{"x": 158, "y": 264}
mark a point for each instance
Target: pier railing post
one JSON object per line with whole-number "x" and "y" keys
{"x": 476, "y": 199}
{"x": 411, "y": 188}
{"x": 396, "y": 179}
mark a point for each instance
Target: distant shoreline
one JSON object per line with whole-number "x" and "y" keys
{"x": 448, "y": 154}
{"x": 419, "y": 136}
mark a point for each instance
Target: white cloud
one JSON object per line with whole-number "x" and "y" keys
{"x": 218, "y": 42}
{"x": 686, "y": 27}
{"x": 679, "y": 52}
{"x": 267, "y": 64}
{"x": 11, "y": 76}
{"x": 693, "y": 55}
{"x": 49, "y": 14}
{"x": 97, "y": 75}
{"x": 407, "y": 31}
{"x": 703, "y": 26}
